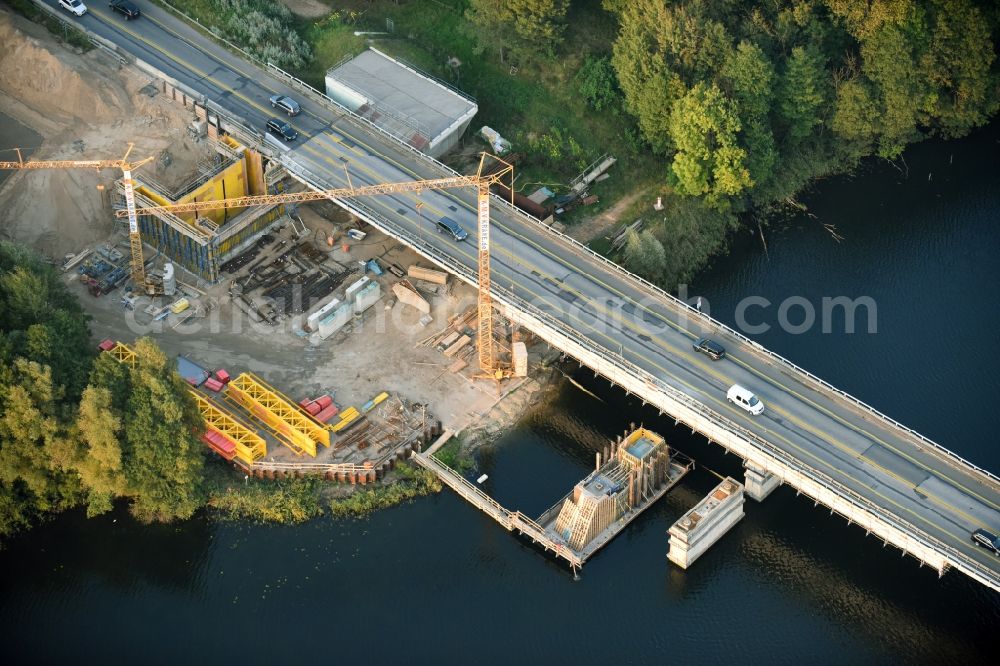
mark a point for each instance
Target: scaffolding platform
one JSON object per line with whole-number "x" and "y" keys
{"x": 638, "y": 471}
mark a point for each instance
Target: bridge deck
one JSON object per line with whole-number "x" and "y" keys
{"x": 942, "y": 497}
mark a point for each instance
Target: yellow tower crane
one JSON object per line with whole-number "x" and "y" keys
{"x": 482, "y": 181}
{"x": 135, "y": 241}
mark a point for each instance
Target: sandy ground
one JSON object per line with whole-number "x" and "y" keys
{"x": 599, "y": 225}
{"x": 376, "y": 353}
{"x": 307, "y": 8}
{"x": 84, "y": 107}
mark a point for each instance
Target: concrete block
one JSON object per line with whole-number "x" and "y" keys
{"x": 759, "y": 484}
{"x": 706, "y": 523}
{"x": 520, "y": 353}
{"x": 406, "y": 294}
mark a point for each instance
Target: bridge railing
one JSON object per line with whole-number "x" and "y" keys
{"x": 625, "y": 366}
{"x": 693, "y": 312}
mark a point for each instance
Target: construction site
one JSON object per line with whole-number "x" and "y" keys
{"x": 313, "y": 343}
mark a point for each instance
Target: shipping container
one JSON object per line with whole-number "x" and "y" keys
{"x": 222, "y": 376}
{"x": 327, "y": 413}
{"x": 193, "y": 374}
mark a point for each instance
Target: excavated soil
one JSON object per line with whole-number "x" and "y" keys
{"x": 85, "y": 106}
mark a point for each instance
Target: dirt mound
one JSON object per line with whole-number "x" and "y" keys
{"x": 307, "y": 8}
{"x": 54, "y": 82}
{"x": 84, "y": 107}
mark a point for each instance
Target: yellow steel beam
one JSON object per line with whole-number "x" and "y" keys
{"x": 277, "y": 411}
{"x": 250, "y": 446}
{"x": 123, "y": 354}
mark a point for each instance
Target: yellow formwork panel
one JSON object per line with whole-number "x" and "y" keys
{"x": 640, "y": 433}
{"x": 255, "y": 172}
{"x": 347, "y": 417}
{"x": 123, "y": 354}
{"x": 250, "y": 446}
{"x": 277, "y": 411}
{"x": 228, "y": 183}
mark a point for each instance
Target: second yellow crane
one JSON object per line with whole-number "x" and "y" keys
{"x": 135, "y": 240}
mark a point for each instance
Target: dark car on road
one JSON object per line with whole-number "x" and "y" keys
{"x": 987, "y": 540}
{"x": 286, "y": 104}
{"x": 446, "y": 224}
{"x": 281, "y": 129}
{"x": 710, "y": 348}
{"x": 125, "y": 8}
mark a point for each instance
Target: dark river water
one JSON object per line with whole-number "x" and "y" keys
{"x": 436, "y": 581}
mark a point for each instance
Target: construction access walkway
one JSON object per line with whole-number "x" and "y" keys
{"x": 511, "y": 520}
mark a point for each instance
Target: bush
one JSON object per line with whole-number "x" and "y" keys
{"x": 264, "y": 29}
{"x": 598, "y": 84}
{"x": 289, "y": 501}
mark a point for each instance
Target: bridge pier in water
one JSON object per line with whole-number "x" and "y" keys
{"x": 759, "y": 483}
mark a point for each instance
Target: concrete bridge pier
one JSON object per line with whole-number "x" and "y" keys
{"x": 759, "y": 483}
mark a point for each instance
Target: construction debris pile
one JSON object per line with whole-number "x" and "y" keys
{"x": 457, "y": 342}
{"x": 277, "y": 276}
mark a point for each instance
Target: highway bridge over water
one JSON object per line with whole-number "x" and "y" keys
{"x": 877, "y": 473}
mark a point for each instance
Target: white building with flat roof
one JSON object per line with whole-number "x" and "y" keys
{"x": 416, "y": 108}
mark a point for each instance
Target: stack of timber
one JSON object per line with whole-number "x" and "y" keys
{"x": 427, "y": 275}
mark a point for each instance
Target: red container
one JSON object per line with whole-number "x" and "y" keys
{"x": 313, "y": 407}
{"x": 328, "y": 413}
{"x": 213, "y": 384}
{"x": 324, "y": 401}
{"x": 219, "y": 443}
{"x": 222, "y": 376}
{"x": 106, "y": 345}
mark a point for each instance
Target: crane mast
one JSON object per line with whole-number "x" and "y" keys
{"x": 135, "y": 240}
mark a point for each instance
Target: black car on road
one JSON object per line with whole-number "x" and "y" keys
{"x": 987, "y": 540}
{"x": 710, "y": 348}
{"x": 125, "y": 8}
{"x": 281, "y": 129}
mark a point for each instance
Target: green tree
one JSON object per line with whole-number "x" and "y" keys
{"x": 889, "y": 62}
{"x": 42, "y": 320}
{"x": 524, "y": 27}
{"x": 99, "y": 461}
{"x": 856, "y": 115}
{"x": 644, "y": 254}
{"x": 597, "y": 83}
{"x": 958, "y": 67}
{"x": 803, "y": 93}
{"x": 35, "y": 472}
{"x": 747, "y": 77}
{"x": 661, "y": 51}
{"x": 709, "y": 160}
{"x": 162, "y": 460}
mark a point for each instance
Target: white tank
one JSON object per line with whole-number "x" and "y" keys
{"x": 169, "y": 281}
